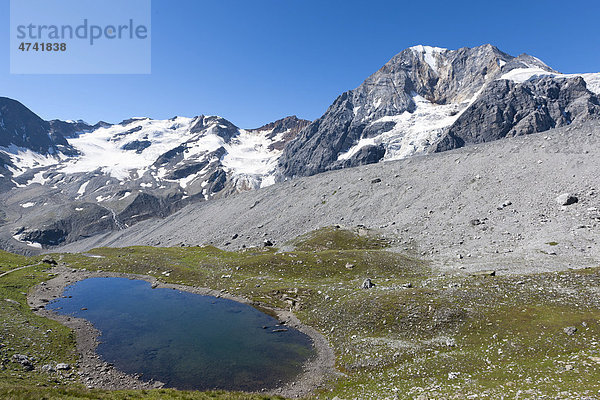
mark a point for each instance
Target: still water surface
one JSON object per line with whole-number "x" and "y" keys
{"x": 187, "y": 341}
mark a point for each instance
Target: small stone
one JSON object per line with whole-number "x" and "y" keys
{"x": 349, "y": 266}
{"x": 63, "y": 367}
{"x": 453, "y": 375}
{"x": 268, "y": 243}
{"x": 568, "y": 367}
{"x": 368, "y": 284}
{"x": 504, "y": 205}
{"x": 484, "y": 273}
{"x": 570, "y": 330}
{"x": 376, "y": 180}
{"x": 48, "y": 368}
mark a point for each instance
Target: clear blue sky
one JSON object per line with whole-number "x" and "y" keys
{"x": 254, "y": 61}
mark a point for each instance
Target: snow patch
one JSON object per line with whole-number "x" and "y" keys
{"x": 82, "y": 188}
{"x": 38, "y": 178}
{"x": 413, "y": 132}
{"x": 27, "y": 205}
{"x": 520, "y": 75}
{"x": 24, "y": 159}
{"x": 429, "y": 54}
{"x": 354, "y": 149}
{"x": 184, "y": 182}
{"x": 103, "y": 147}
{"x": 30, "y": 244}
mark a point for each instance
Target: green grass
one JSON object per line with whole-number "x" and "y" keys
{"x": 29, "y": 393}
{"x": 23, "y": 332}
{"x": 9, "y": 261}
{"x": 335, "y": 238}
{"x": 416, "y": 333}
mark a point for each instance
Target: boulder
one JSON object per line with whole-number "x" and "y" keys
{"x": 49, "y": 260}
{"x": 570, "y": 330}
{"x": 566, "y": 199}
{"x": 368, "y": 284}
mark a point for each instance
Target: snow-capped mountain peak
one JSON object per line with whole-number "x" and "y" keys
{"x": 419, "y": 101}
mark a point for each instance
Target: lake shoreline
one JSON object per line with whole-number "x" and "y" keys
{"x": 97, "y": 374}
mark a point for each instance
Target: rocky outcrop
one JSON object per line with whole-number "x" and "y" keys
{"x": 507, "y": 109}
{"x": 369, "y": 154}
{"x": 288, "y": 128}
{"x": 68, "y": 225}
{"x": 217, "y": 125}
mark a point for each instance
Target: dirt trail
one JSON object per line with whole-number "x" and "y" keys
{"x": 18, "y": 269}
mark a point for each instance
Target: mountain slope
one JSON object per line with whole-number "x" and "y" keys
{"x": 486, "y": 206}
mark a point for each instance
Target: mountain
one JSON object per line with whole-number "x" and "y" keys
{"x": 64, "y": 181}
{"x": 429, "y": 99}
{"x": 67, "y": 180}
